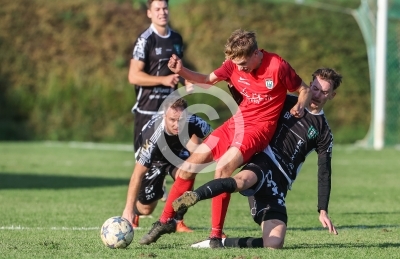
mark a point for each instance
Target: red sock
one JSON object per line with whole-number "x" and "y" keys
{"x": 178, "y": 188}
{"x": 219, "y": 208}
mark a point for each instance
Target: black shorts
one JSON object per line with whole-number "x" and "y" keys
{"x": 151, "y": 188}
{"x": 269, "y": 192}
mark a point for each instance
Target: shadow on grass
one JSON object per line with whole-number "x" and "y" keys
{"x": 343, "y": 245}
{"x": 35, "y": 181}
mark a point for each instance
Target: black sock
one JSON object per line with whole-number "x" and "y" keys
{"x": 179, "y": 214}
{"x": 244, "y": 242}
{"x": 216, "y": 187}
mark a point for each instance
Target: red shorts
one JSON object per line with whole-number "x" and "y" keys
{"x": 249, "y": 139}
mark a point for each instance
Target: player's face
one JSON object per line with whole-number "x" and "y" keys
{"x": 248, "y": 64}
{"x": 174, "y": 121}
{"x": 158, "y": 13}
{"x": 321, "y": 91}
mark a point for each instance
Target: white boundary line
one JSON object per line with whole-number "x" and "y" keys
{"x": 90, "y": 145}
{"x": 12, "y": 227}
{"x": 19, "y": 227}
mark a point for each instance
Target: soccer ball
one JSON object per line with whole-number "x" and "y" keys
{"x": 116, "y": 232}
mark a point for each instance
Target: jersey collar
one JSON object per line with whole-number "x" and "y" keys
{"x": 156, "y": 32}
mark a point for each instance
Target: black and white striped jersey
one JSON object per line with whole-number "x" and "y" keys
{"x": 295, "y": 138}
{"x": 159, "y": 147}
{"x": 155, "y": 51}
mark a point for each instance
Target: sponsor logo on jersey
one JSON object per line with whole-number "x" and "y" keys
{"x": 178, "y": 49}
{"x": 243, "y": 81}
{"x": 138, "y": 51}
{"x": 158, "y": 51}
{"x": 312, "y": 133}
{"x": 269, "y": 83}
{"x": 297, "y": 149}
{"x": 255, "y": 98}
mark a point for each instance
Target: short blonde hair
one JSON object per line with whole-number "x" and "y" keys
{"x": 240, "y": 44}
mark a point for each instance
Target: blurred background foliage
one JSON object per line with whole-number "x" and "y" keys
{"x": 64, "y": 64}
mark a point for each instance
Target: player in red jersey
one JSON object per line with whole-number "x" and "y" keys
{"x": 263, "y": 79}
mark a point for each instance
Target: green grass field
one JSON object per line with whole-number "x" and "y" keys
{"x": 55, "y": 196}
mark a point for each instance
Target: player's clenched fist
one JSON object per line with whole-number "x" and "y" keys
{"x": 175, "y": 64}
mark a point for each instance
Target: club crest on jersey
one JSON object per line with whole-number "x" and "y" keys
{"x": 178, "y": 49}
{"x": 269, "y": 83}
{"x": 312, "y": 133}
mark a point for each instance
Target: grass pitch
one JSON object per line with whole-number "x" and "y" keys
{"x": 55, "y": 196}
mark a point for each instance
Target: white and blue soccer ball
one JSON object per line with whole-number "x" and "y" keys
{"x": 117, "y": 232}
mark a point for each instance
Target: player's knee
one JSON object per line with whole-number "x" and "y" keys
{"x": 186, "y": 175}
{"x": 273, "y": 242}
{"x": 145, "y": 209}
{"x": 240, "y": 183}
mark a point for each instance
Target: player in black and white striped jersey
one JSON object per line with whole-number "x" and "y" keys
{"x": 148, "y": 69}
{"x": 165, "y": 142}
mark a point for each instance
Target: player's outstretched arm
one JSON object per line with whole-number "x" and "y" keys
{"x": 133, "y": 190}
{"x": 176, "y": 66}
{"x": 303, "y": 100}
{"x": 326, "y": 222}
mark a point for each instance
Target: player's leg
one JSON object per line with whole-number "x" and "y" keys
{"x": 241, "y": 181}
{"x": 150, "y": 192}
{"x": 274, "y": 231}
{"x": 166, "y": 224}
{"x": 267, "y": 206}
{"x": 184, "y": 178}
{"x": 180, "y": 224}
{"x": 226, "y": 165}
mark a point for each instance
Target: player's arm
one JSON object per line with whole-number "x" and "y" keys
{"x": 176, "y": 66}
{"x": 193, "y": 143}
{"x": 304, "y": 98}
{"x": 324, "y": 190}
{"x": 137, "y": 76}
{"x": 133, "y": 190}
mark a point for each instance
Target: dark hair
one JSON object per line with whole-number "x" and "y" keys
{"x": 149, "y": 2}
{"x": 330, "y": 75}
{"x": 175, "y": 102}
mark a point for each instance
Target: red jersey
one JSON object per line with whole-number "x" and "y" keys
{"x": 264, "y": 90}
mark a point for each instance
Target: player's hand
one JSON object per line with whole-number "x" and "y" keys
{"x": 326, "y": 222}
{"x": 297, "y": 111}
{"x": 175, "y": 64}
{"x": 129, "y": 215}
{"x": 171, "y": 80}
{"x": 189, "y": 88}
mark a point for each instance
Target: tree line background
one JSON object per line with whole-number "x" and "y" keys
{"x": 64, "y": 64}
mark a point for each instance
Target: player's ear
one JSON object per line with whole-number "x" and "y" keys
{"x": 332, "y": 95}
{"x": 148, "y": 13}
